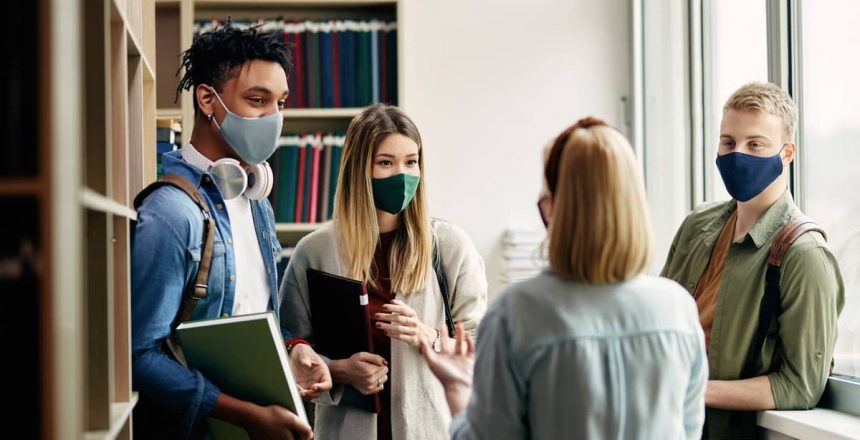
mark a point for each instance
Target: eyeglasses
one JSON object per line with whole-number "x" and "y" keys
{"x": 541, "y": 205}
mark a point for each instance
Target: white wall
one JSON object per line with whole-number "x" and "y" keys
{"x": 489, "y": 83}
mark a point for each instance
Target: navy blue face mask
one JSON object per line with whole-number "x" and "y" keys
{"x": 746, "y": 176}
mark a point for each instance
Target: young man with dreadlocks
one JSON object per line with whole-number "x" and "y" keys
{"x": 239, "y": 81}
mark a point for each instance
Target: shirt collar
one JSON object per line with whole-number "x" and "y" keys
{"x": 173, "y": 163}
{"x": 772, "y": 220}
{"x": 195, "y": 158}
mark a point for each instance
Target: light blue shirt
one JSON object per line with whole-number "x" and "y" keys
{"x": 560, "y": 359}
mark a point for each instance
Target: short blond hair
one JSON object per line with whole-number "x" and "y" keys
{"x": 600, "y": 229}
{"x": 768, "y": 98}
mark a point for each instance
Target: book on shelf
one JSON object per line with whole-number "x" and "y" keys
{"x": 305, "y": 168}
{"x": 337, "y": 63}
{"x": 245, "y": 357}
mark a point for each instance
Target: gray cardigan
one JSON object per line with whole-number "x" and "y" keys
{"x": 418, "y": 406}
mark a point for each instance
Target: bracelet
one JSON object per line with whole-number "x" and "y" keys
{"x": 295, "y": 341}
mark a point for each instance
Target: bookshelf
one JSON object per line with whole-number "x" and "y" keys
{"x": 88, "y": 149}
{"x": 175, "y": 26}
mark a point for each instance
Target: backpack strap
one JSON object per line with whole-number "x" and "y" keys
{"x": 442, "y": 279}
{"x": 770, "y": 308}
{"x": 200, "y": 288}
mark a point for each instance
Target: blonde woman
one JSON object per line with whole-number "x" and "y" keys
{"x": 591, "y": 347}
{"x": 382, "y": 234}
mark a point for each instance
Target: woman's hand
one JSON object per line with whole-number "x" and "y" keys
{"x": 365, "y": 371}
{"x": 453, "y": 366}
{"x": 312, "y": 374}
{"x": 401, "y": 322}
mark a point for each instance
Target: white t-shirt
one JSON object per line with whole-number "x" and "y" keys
{"x": 251, "y": 280}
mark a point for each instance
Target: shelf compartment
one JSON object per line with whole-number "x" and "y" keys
{"x": 23, "y": 186}
{"x": 97, "y": 202}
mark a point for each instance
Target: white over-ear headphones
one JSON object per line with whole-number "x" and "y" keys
{"x": 233, "y": 180}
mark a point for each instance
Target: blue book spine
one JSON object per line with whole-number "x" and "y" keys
{"x": 343, "y": 64}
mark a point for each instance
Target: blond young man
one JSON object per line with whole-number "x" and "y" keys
{"x": 720, "y": 255}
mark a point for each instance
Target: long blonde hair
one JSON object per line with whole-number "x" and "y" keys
{"x": 600, "y": 229}
{"x": 355, "y": 214}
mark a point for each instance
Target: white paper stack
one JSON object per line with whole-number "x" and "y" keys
{"x": 523, "y": 254}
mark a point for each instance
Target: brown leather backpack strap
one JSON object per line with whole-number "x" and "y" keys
{"x": 770, "y": 307}
{"x": 795, "y": 227}
{"x": 201, "y": 283}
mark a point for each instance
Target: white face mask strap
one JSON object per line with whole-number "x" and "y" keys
{"x": 211, "y": 117}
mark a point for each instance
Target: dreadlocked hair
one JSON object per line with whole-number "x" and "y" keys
{"x": 214, "y": 56}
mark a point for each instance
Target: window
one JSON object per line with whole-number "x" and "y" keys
{"x": 828, "y": 149}
{"x": 666, "y": 112}
{"x": 735, "y": 53}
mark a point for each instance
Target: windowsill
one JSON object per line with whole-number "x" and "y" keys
{"x": 818, "y": 423}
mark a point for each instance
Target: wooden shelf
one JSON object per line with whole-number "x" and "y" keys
{"x": 321, "y": 112}
{"x": 136, "y": 49}
{"x": 243, "y": 3}
{"x": 20, "y": 186}
{"x": 97, "y": 202}
{"x": 120, "y": 414}
{"x": 168, "y": 113}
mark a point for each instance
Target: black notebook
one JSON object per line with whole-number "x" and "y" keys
{"x": 341, "y": 326}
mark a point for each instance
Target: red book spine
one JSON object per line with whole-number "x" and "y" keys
{"x": 377, "y": 402}
{"x": 299, "y": 69}
{"x": 335, "y": 65}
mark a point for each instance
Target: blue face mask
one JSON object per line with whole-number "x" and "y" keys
{"x": 253, "y": 139}
{"x": 746, "y": 176}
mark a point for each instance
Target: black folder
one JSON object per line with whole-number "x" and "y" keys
{"x": 341, "y": 326}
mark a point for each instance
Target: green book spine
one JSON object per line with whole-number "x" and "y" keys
{"x": 364, "y": 68}
{"x": 292, "y": 176}
{"x": 336, "y": 154}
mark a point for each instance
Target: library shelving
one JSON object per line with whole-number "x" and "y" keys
{"x": 82, "y": 148}
{"x": 177, "y": 21}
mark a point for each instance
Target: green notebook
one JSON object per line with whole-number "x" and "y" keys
{"x": 245, "y": 356}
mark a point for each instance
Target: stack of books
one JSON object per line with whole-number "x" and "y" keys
{"x": 523, "y": 254}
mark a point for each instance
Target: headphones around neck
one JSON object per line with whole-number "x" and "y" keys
{"x": 233, "y": 180}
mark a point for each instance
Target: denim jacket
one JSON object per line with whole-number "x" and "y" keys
{"x": 166, "y": 247}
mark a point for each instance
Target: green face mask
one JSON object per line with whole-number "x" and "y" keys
{"x": 393, "y": 194}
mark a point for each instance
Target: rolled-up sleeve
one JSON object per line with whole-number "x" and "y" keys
{"x": 812, "y": 297}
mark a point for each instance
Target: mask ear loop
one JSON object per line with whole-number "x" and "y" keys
{"x": 210, "y": 116}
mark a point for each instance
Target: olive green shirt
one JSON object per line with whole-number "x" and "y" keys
{"x": 811, "y": 297}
